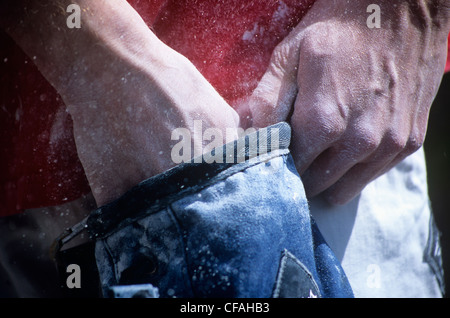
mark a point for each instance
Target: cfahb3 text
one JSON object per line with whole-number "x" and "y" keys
{"x": 228, "y": 307}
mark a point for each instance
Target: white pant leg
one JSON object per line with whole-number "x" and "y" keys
{"x": 382, "y": 235}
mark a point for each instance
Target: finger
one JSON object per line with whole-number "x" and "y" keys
{"x": 317, "y": 126}
{"x": 352, "y": 183}
{"x": 273, "y": 98}
{"x": 328, "y": 168}
{"x": 352, "y": 147}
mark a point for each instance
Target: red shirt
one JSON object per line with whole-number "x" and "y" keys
{"x": 230, "y": 42}
{"x": 447, "y": 65}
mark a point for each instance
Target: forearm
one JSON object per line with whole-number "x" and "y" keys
{"x": 63, "y": 54}
{"x": 125, "y": 90}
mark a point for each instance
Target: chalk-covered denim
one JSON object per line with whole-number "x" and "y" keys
{"x": 236, "y": 229}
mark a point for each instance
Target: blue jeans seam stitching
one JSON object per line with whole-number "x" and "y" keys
{"x": 173, "y": 217}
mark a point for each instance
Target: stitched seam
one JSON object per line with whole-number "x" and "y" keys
{"x": 157, "y": 207}
{"x": 111, "y": 259}
{"x": 175, "y": 220}
{"x": 280, "y": 277}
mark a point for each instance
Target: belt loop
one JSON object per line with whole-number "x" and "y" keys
{"x": 67, "y": 236}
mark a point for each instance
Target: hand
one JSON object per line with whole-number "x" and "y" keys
{"x": 124, "y": 116}
{"x": 357, "y": 98}
{"x": 125, "y": 90}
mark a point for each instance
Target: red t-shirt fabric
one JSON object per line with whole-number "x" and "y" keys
{"x": 447, "y": 65}
{"x": 230, "y": 42}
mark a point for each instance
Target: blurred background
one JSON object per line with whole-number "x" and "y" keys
{"x": 437, "y": 152}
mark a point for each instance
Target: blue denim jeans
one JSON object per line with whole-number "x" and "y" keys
{"x": 229, "y": 229}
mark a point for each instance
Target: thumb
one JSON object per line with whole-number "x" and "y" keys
{"x": 273, "y": 99}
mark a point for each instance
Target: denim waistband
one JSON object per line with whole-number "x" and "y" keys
{"x": 240, "y": 227}
{"x": 186, "y": 178}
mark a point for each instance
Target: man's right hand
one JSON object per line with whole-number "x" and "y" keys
{"x": 357, "y": 98}
{"x": 125, "y": 90}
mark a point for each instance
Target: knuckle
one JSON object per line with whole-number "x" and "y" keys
{"x": 332, "y": 126}
{"x": 414, "y": 143}
{"x": 316, "y": 46}
{"x": 396, "y": 142}
{"x": 318, "y": 126}
{"x": 404, "y": 143}
{"x": 333, "y": 130}
{"x": 367, "y": 142}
